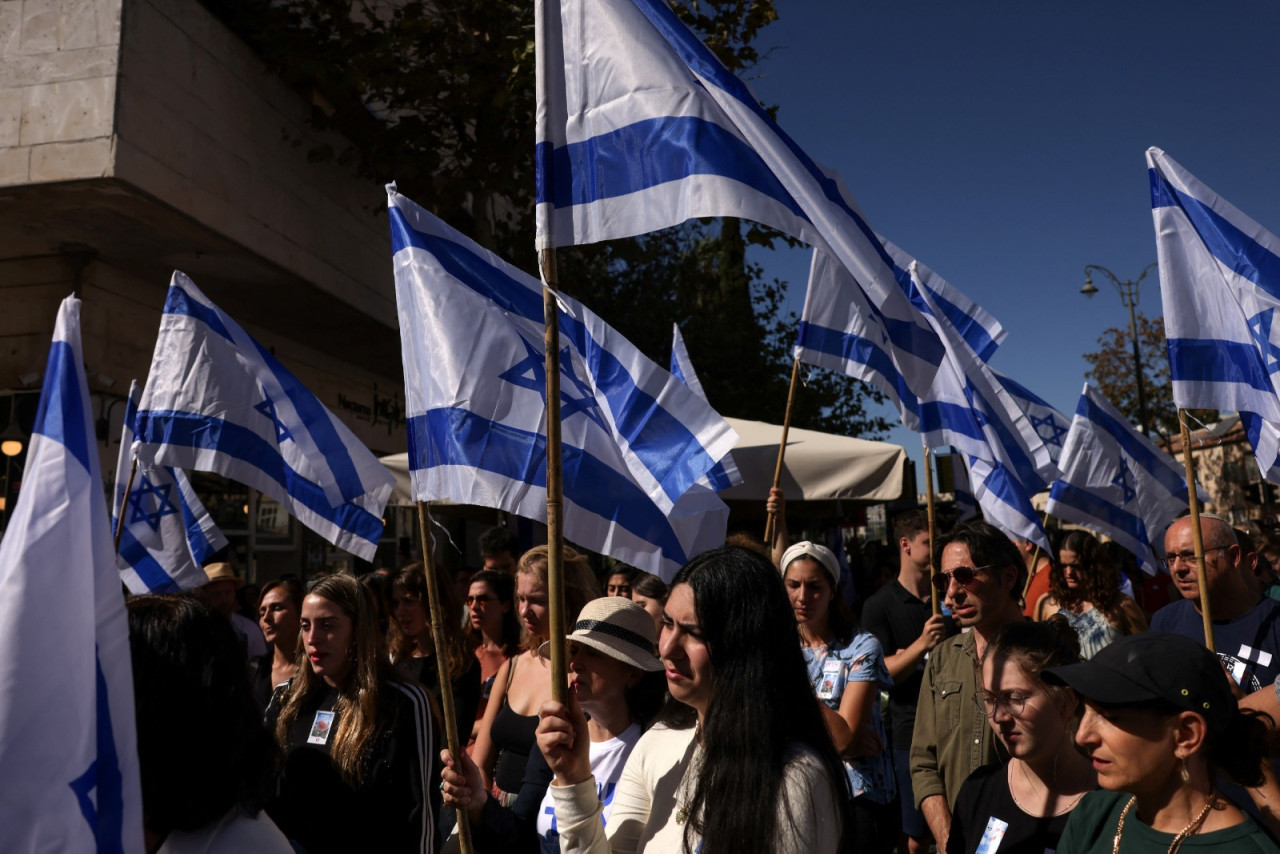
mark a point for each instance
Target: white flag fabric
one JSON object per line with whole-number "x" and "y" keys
{"x": 635, "y": 439}
{"x": 168, "y": 534}
{"x": 1220, "y": 285}
{"x": 217, "y": 400}
{"x": 639, "y": 127}
{"x": 1116, "y": 481}
{"x": 723, "y": 474}
{"x": 1049, "y": 424}
{"x": 68, "y": 745}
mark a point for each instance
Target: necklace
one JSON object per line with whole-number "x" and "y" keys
{"x": 1027, "y": 776}
{"x": 1192, "y": 826}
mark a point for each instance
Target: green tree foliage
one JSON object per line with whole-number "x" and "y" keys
{"x": 439, "y": 95}
{"x": 1111, "y": 371}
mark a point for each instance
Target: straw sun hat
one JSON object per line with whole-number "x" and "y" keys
{"x": 620, "y": 629}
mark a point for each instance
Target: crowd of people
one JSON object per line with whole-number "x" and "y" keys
{"x": 988, "y": 697}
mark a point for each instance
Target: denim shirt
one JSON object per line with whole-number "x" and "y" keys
{"x": 861, "y": 660}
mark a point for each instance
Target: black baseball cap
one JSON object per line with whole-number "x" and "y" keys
{"x": 1154, "y": 667}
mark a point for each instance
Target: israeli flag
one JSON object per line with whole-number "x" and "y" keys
{"x": 1220, "y": 284}
{"x": 635, "y": 440}
{"x": 168, "y": 534}
{"x": 723, "y": 474}
{"x": 217, "y": 400}
{"x": 966, "y": 504}
{"x": 1049, "y": 424}
{"x": 640, "y": 127}
{"x": 1116, "y": 481}
{"x": 68, "y": 744}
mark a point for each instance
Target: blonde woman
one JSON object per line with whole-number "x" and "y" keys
{"x": 523, "y": 683}
{"x": 359, "y": 745}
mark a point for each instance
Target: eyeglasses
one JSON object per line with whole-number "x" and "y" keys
{"x": 471, "y": 600}
{"x": 1188, "y": 558}
{"x": 1011, "y": 703}
{"x": 962, "y": 575}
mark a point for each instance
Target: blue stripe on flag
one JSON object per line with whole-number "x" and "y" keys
{"x": 1237, "y": 251}
{"x": 651, "y": 432}
{"x": 148, "y": 568}
{"x": 1155, "y": 464}
{"x": 1211, "y": 360}
{"x": 1005, "y": 486}
{"x": 61, "y": 414}
{"x": 310, "y": 410}
{"x": 1112, "y": 516}
{"x": 458, "y": 437}
{"x": 104, "y": 812}
{"x": 673, "y": 148}
{"x": 197, "y": 540}
{"x": 189, "y": 430}
{"x": 860, "y": 351}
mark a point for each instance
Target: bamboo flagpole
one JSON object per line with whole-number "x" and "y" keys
{"x": 936, "y": 599}
{"x": 555, "y": 490}
{"x": 771, "y": 525}
{"x": 452, "y": 740}
{"x": 1197, "y": 538}
{"x": 124, "y": 499}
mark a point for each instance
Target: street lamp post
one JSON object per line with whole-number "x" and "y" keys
{"x": 1128, "y": 290}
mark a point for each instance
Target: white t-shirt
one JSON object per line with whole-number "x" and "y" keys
{"x": 234, "y": 833}
{"x": 607, "y": 760}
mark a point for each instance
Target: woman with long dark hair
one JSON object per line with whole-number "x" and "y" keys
{"x": 1084, "y": 587}
{"x": 1161, "y": 727}
{"x": 412, "y": 645}
{"x": 847, "y": 672}
{"x": 493, "y": 631}
{"x": 279, "y": 613}
{"x": 740, "y": 759}
{"x": 359, "y": 743}
{"x": 523, "y": 683}
{"x": 650, "y": 592}
{"x": 205, "y": 758}
{"x": 1028, "y": 799}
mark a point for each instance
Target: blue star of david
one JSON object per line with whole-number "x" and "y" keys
{"x": 142, "y": 511}
{"x": 1260, "y": 328}
{"x": 530, "y": 372}
{"x": 268, "y": 410}
{"x": 1056, "y": 431}
{"x": 1121, "y": 480}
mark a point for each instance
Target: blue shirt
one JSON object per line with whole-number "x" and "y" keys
{"x": 1249, "y": 645}
{"x": 830, "y": 670}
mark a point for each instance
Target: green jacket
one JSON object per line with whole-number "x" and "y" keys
{"x": 952, "y": 738}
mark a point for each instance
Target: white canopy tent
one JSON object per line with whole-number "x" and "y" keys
{"x": 818, "y": 467}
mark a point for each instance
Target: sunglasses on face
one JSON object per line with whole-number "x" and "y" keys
{"x": 471, "y": 600}
{"x": 962, "y": 575}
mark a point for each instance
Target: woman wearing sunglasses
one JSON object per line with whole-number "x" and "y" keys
{"x": 1162, "y": 727}
{"x": 1084, "y": 587}
{"x": 1024, "y": 805}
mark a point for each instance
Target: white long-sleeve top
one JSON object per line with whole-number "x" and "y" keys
{"x": 648, "y": 806}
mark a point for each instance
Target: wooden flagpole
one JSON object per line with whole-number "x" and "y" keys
{"x": 124, "y": 500}
{"x": 771, "y": 525}
{"x": 443, "y": 678}
{"x": 936, "y": 599}
{"x": 1197, "y": 538}
{"x": 555, "y": 503}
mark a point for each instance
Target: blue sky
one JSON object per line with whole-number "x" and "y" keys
{"x": 1002, "y": 144}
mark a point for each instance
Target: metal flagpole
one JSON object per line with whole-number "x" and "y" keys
{"x": 555, "y": 534}
{"x": 1197, "y": 538}
{"x": 771, "y": 525}
{"x": 936, "y": 599}
{"x": 438, "y": 617}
